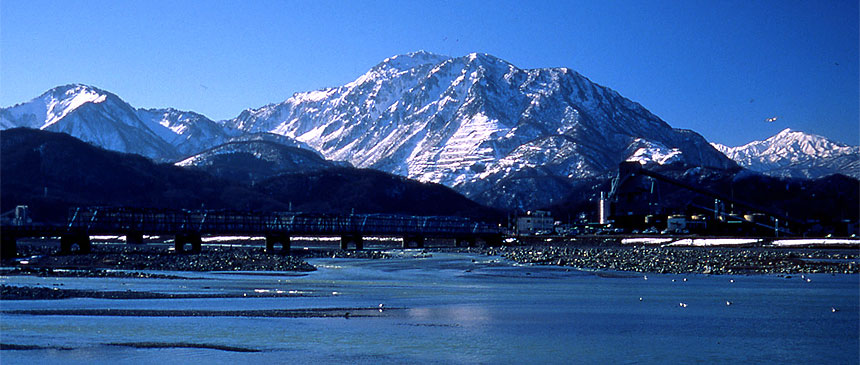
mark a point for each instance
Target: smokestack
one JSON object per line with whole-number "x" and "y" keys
{"x": 603, "y": 209}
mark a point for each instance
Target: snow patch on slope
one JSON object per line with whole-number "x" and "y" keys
{"x": 647, "y": 152}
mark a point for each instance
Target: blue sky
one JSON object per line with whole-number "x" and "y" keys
{"x": 718, "y": 67}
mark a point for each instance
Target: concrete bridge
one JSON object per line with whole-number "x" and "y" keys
{"x": 189, "y": 226}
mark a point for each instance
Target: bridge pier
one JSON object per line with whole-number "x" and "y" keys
{"x": 193, "y": 239}
{"x": 464, "y": 242}
{"x": 274, "y": 239}
{"x": 408, "y": 241}
{"x": 68, "y": 241}
{"x": 134, "y": 238}
{"x": 345, "y": 240}
{"x": 493, "y": 241}
{"x": 8, "y": 246}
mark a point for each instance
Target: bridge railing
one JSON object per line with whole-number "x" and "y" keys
{"x": 112, "y": 219}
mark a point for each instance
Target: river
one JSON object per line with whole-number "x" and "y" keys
{"x": 451, "y": 308}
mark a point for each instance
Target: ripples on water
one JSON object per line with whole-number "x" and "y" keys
{"x": 454, "y": 309}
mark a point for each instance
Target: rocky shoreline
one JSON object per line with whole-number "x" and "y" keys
{"x": 677, "y": 260}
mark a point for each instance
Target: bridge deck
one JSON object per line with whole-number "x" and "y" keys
{"x": 189, "y": 226}
{"x": 117, "y": 220}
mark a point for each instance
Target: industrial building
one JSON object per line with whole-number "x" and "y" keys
{"x": 535, "y": 223}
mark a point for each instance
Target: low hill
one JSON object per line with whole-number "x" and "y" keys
{"x": 52, "y": 172}
{"x": 252, "y": 161}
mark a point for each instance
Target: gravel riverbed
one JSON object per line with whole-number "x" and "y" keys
{"x": 678, "y": 260}
{"x": 45, "y": 262}
{"x": 139, "y": 261}
{"x": 157, "y": 258}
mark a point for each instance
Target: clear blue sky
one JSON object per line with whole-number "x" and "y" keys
{"x": 718, "y": 67}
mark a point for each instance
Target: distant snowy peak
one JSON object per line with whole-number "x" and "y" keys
{"x": 71, "y": 99}
{"x": 53, "y": 105}
{"x": 104, "y": 119}
{"x": 92, "y": 115}
{"x": 786, "y": 147}
{"x": 188, "y": 132}
{"x": 795, "y": 153}
{"x": 177, "y": 121}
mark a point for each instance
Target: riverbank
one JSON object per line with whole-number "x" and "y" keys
{"x": 678, "y": 260}
{"x": 41, "y": 261}
{"x": 353, "y": 312}
{"x": 8, "y": 292}
{"x": 139, "y": 261}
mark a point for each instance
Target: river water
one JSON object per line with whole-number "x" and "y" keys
{"x": 454, "y": 308}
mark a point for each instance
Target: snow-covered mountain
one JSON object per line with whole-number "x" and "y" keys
{"x": 91, "y": 114}
{"x": 476, "y": 121}
{"x": 102, "y": 118}
{"x": 506, "y": 136}
{"x": 796, "y": 154}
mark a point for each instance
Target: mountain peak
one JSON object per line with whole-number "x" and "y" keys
{"x": 423, "y": 53}
{"x": 484, "y": 59}
{"x": 785, "y": 132}
{"x": 76, "y": 88}
{"x": 55, "y": 104}
{"x": 411, "y": 60}
{"x": 789, "y": 133}
{"x": 790, "y": 136}
{"x": 482, "y": 56}
{"x": 82, "y": 92}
